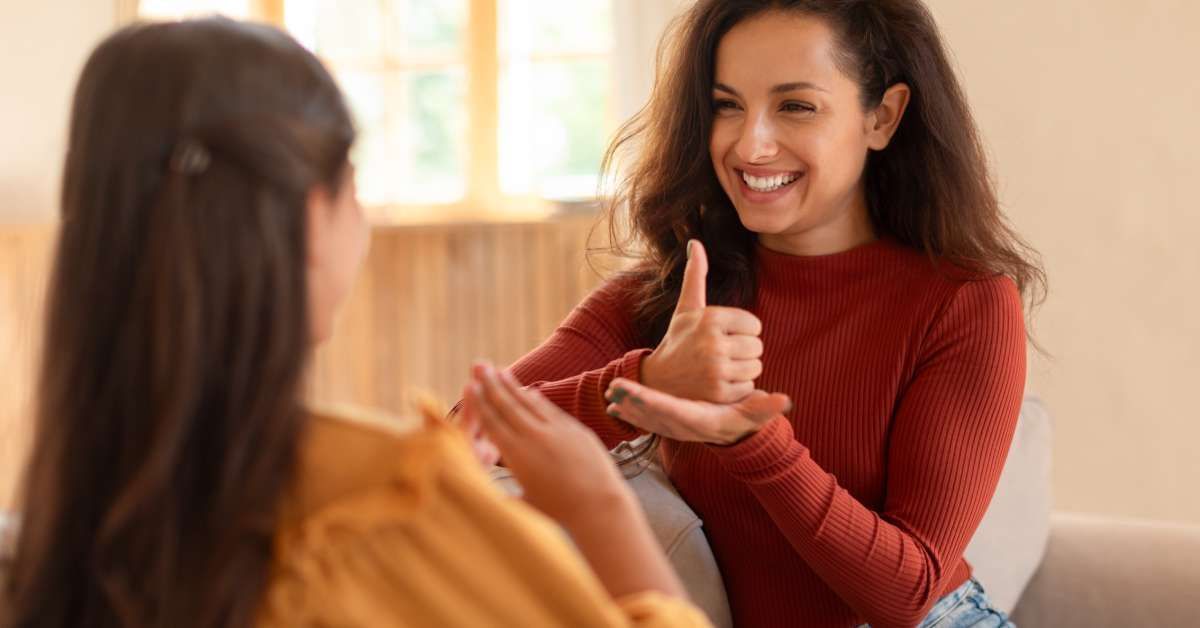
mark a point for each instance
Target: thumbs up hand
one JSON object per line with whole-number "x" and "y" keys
{"x": 709, "y": 353}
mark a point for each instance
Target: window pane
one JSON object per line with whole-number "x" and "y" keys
{"x": 428, "y": 25}
{"x": 555, "y": 93}
{"x": 411, "y": 124}
{"x": 177, "y": 9}
{"x": 399, "y": 32}
{"x": 549, "y": 26}
{"x": 401, "y": 65}
{"x": 554, "y": 127}
{"x": 347, "y": 29}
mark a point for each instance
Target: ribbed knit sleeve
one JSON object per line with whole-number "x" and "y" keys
{"x": 949, "y": 438}
{"x": 593, "y": 346}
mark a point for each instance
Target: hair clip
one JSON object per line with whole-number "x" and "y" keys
{"x": 190, "y": 158}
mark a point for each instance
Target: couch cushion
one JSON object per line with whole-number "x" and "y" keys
{"x": 1103, "y": 572}
{"x": 675, "y": 525}
{"x": 1011, "y": 540}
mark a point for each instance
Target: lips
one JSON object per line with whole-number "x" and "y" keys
{"x": 769, "y": 183}
{"x": 764, "y": 186}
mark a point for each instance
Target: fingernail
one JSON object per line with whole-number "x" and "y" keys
{"x": 618, "y": 395}
{"x": 788, "y": 408}
{"x": 688, "y": 249}
{"x": 614, "y": 413}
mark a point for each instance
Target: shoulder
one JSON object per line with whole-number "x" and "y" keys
{"x": 617, "y": 291}
{"x": 348, "y": 453}
{"x": 947, "y": 288}
{"x": 982, "y": 300}
{"x": 609, "y": 309}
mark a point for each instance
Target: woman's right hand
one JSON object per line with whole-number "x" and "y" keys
{"x": 568, "y": 475}
{"x": 562, "y": 466}
{"x": 709, "y": 353}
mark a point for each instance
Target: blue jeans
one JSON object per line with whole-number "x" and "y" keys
{"x": 965, "y": 607}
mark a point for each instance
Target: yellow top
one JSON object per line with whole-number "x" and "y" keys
{"x": 392, "y": 523}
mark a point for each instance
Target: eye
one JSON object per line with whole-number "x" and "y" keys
{"x": 721, "y": 105}
{"x": 793, "y": 106}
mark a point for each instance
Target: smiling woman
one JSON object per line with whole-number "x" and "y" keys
{"x": 813, "y": 216}
{"x": 790, "y": 153}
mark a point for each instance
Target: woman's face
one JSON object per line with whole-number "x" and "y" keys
{"x": 338, "y": 239}
{"x": 790, "y": 136}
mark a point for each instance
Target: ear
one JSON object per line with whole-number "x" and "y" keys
{"x": 883, "y": 121}
{"x": 318, "y": 207}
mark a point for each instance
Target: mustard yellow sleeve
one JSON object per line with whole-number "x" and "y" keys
{"x": 439, "y": 546}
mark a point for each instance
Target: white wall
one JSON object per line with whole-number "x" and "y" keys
{"x": 43, "y": 44}
{"x": 1091, "y": 109}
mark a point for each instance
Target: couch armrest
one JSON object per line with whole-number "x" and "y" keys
{"x": 1101, "y": 572}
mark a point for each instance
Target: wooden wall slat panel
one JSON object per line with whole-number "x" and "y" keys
{"x": 430, "y": 300}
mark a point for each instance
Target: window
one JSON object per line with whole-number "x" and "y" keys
{"x": 467, "y": 108}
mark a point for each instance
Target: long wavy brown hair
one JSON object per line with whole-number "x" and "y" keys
{"x": 169, "y": 405}
{"x": 930, "y": 189}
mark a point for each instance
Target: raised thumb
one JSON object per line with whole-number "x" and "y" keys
{"x": 692, "y": 295}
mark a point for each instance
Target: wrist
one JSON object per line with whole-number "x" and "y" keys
{"x": 738, "y": 438}
{"x": 648, "y": 369}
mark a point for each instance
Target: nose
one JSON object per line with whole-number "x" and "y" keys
{"x": 757, "y": 141}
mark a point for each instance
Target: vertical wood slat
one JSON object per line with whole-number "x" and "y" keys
{"x": 441, "y": 296}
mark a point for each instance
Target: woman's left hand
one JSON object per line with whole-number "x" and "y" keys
{"x": 467, "y": 420}
{"x": 693, "y": 421}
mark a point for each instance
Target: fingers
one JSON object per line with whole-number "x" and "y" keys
{"x": 533, "y": 401}
{"x": 739, "y": 371}
{"x": 692, "y": 294}
{"x": 537, "y": 403}
{"x": 486, "y": 452}
{"x": 742, "y": 347}
{"x": 732, "y": 320}
{"x": 496, "y": 397}
{"x": 466, "y": 417}
{"x": 626, "y": 396}
{"x": 735, "y": 391}
{"x": 760, "y": 405}
{"x": 493, "y": 424}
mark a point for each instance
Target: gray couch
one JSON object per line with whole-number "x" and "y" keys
{"x": 1102, "y": 572}
{"x": 1063, "y": 570}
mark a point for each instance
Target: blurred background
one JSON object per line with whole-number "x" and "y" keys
{"x": 483, "y": 126}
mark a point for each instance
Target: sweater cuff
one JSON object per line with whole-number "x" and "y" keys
{"x": 760, "y": 452}
{"x": 631, "y": 365}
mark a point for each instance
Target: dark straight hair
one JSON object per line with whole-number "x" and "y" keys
{"x": 930, "y": 189}
{"x": 169, "y": 406}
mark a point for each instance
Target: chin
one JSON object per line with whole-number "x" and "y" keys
{"x": 764, "y": 223}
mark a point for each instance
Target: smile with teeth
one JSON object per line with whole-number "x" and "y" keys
{"x": 769, "y": 184}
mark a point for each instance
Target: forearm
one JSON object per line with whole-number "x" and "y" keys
{"x": 582, "y": 395}
{"x": 617, "y": 542}
{"x": 880, "y": 569}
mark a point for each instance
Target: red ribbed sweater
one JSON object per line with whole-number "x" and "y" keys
{"x": 857, "y": 506}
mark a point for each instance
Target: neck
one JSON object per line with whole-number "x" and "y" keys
{"x": 850, "y": 227}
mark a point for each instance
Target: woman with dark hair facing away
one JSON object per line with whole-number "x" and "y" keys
{"x": 209, "y": 231}
{"x": 825, "y": 326}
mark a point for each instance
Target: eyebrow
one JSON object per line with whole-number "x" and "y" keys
{"x": 778, "y": 89}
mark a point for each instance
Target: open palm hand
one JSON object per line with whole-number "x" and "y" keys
{"x": 694, "y": 421}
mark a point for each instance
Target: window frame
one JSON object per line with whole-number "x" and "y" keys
{"x": 483, "y": 198}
